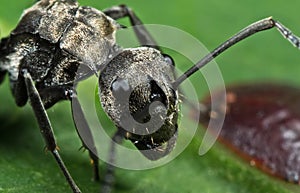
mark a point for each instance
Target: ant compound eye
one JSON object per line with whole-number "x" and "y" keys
{"x": 169, "y": 59}
{"x": 120, "y": 86}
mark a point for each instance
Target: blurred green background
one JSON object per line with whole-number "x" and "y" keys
{"x": 25, "y": 167}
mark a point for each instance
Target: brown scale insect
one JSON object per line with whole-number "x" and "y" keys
{"x": 262, "y": 125}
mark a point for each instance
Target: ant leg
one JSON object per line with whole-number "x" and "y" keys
{"x": 109, "y": 175}
{"x": 51, "y": 96}
{"x": 46, "y": 128}
{"x": 141, "y": 32}
{"x": 85, "y": 132}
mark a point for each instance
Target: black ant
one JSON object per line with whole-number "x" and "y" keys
{"x": 138, "y": 88}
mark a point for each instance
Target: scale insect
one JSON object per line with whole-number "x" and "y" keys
{"x": 262, "y": 126}
{"x": 138, "y": 87}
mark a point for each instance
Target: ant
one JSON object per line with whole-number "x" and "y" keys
{"x": 138, "y": 87}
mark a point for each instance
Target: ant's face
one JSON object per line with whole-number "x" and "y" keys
{"x": 136, "y": 92}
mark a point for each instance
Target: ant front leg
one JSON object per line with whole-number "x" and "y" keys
{"x": 144, "y": 37}
{"x": 46, "y": 128}
{"x": 88, "y": 142}
{"x": 54, "y": 94}
{"x": 51, "y": 96}
{"x": 109, "y": 177}
{"x": 84, "y": 132}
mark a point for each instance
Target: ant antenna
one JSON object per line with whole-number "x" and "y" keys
{"x": 258, "y": 26}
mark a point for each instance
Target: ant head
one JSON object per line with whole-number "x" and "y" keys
{"x": 136, "y": 92}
